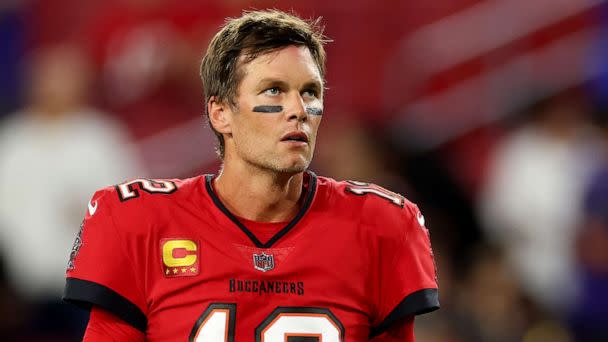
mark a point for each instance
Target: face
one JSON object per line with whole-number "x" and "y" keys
{"x": 278, "y": 111}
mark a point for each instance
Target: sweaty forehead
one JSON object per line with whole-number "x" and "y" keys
{"x": 289, "y": 63}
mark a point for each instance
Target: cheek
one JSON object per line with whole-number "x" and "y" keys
{"x": 262, "y": 126}
{"x": 315, "y": 123}
{"x": 255, "y": 129}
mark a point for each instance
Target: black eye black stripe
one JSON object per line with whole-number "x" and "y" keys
{"x": 268, "y": 109}
{"x": 314, "y": 110}
{"x": 278, "y": 109}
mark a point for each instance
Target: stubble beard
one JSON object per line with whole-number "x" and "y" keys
{"x": 275, "y": 164}
{"x": 276, "y": 167}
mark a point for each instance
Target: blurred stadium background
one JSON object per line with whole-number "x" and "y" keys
{"x": 491, "y": 115}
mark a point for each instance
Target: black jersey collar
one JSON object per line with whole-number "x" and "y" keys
{"x": 312, "y": 188}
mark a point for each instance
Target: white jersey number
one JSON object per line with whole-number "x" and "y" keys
{"x": 127, "y": 190}
{"x": 361, "y": 188}
{"x": 216, "y": 324}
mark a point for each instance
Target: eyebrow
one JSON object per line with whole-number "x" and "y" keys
{"x": 314, "y": 85}
{"x": 277, "y": 82}
{"x": 272, "y": 81}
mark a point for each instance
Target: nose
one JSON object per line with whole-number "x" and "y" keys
{"x": 296, "y": 110}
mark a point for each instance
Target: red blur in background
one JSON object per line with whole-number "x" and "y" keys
{"x": 488, "y": 114}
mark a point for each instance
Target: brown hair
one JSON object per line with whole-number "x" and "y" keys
{"x": 253, "y": 34}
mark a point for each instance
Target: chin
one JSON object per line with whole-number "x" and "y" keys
{"x": 289, "y": 165}
{"x": 293, "y": 167}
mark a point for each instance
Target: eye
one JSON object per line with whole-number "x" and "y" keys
{"x": 312, "y": 93}
{"x": 274, "y": 91}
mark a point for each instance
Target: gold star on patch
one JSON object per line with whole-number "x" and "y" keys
{"x": 183, "y": 270}
{"x": 192, "y": 269}
{"x": 174, "y": 270}
{"x": 167, "y": 271}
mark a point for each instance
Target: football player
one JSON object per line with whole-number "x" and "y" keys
{"x": 265, "y": 250}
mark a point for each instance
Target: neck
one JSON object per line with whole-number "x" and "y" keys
{"x": 259, "y": 195}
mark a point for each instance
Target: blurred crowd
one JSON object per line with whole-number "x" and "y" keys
{"x": 501, "y": 138}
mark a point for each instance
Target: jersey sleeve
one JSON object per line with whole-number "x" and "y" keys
{"x": 104, "y": 326}
{"x": 398, "y": 332}
{"x": 100, "y": 271}
{"x": 407, "y": 283}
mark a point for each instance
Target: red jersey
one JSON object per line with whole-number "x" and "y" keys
{"x": 167, "y": 257}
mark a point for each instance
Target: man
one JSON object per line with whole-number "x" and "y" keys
{"x": 266, "y": 250}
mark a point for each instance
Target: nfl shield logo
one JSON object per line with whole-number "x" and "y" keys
{"x": 263, "y": 262}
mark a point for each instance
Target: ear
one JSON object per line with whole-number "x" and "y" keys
{"x": 220, "y": 116}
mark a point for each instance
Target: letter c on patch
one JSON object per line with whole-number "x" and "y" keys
{"x": 179, "y": 253}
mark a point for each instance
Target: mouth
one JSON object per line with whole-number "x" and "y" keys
{"x": 296, "y": 137}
